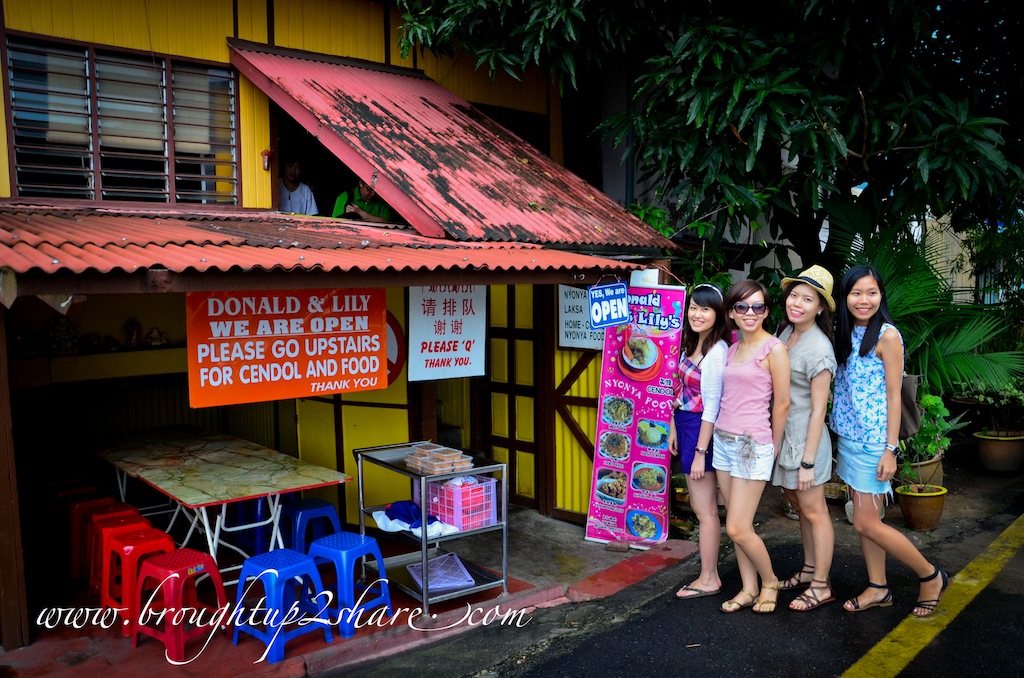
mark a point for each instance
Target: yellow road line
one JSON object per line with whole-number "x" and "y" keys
{"x": 894, "y": 652}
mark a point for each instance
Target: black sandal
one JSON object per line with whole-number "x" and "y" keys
{"x": 929, "y": 605}
{"x": 886, "y": 600}
{"x": 793, "y": 582}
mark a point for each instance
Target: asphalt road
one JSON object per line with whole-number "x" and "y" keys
{"x": 978, "y": 630}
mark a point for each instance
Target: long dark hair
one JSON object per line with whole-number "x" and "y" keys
{"x": 823, "y": 319}
{"x": 844, "y": 319}
{"x": 741, "y": 291}
{"x": 708, "y": 296}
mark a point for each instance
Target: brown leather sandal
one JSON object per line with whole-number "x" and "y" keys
{"x": 810, "y": 600}
{"x": 794, "y": 581}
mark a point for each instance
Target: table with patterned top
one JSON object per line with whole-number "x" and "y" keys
{"x": 200, "y": 471}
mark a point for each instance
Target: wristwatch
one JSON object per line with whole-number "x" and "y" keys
{"x": 702, "y": 452}
{"x": 891, "y": 448}
{"x": 804, "y": 464}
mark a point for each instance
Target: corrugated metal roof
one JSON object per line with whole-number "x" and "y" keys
{"x": 442, "y": 164}
{"x": 49, "y": 241}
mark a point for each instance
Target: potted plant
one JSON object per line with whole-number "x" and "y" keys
{"x": 1001, "y": 443}
{"x": 921, "y": 455}
{"x": 920, "y": 475}
{"x": 921, "y": 505}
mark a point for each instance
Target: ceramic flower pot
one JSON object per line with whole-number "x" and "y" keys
{"x": 921, "y": 505}
{"x": 926, "y": 472}
{"x": 1001, "y": 451}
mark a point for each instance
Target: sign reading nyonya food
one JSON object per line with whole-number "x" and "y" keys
{"x": 246, "y": 347}
{"x": 630, "y": 489}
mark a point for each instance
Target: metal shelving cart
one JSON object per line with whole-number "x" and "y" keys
{"x": 392, "y": 457}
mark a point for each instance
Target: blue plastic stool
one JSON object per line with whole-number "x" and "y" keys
{"x": 344, "y": 549}
{"x": 277, "y": 570}
{"x": 298, "y": 515}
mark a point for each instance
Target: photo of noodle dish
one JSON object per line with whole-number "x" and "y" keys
{"x": 649, "y": 477}
{"x": 651, "y": 433}
{"x": 644, "y": 525}
{"x": 611, "y": 486}
{"x": 617, "y": 411}
{"x": 614, "y": 446}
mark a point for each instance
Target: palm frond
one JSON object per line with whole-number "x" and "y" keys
{"x": 945, "y": 341}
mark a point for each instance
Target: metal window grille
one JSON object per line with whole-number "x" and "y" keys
{"x": 100, "y": 125}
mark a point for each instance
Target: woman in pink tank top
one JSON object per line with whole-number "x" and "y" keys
{"x": 748, "y": 434}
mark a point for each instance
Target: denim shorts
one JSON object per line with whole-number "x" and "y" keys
{"x": 857, "y": 466}
{"x": 743, "y": 457}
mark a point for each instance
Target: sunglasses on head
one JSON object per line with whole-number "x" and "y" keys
{"x": 742, "y": 308}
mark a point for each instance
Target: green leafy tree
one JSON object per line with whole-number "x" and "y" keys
{"x": 750, "y": 116}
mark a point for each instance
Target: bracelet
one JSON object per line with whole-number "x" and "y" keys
{"x": 804, "y": 464}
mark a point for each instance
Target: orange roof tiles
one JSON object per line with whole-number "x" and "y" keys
{"x": 43, "y": 240}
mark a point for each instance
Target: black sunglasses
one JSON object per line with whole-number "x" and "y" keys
{"x": 742, "y": 308}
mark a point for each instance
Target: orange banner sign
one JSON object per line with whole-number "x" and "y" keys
{"x": 246, "y": 347}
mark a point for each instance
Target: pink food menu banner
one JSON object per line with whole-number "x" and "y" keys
{"x": 630, "y": 490}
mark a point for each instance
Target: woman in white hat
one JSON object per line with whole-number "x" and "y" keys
{"x": 804, "y": 464}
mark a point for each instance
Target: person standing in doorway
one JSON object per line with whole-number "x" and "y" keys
{"x": 805, "y": 459}
{"x": 296, "y": 197}
{"x": 703, "y": 346}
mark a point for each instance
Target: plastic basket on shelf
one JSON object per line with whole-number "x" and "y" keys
{"x": 443, "y": 573}
{"x": 467, "y": 507}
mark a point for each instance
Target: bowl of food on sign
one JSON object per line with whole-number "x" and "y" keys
{"x": 649, "y": 477}
{"x": 650, "y": 433}
{"x": 644, "y": 525}
{"x": 641, "y": 358}
{"x": 617, "y": 411}
{"x": 611, "y": 486}
{"x": 614, "y": 446}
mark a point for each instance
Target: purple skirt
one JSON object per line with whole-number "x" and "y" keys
{"x": 687, "y": 431}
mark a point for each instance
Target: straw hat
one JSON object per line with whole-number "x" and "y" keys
{"x": 818, "y": 278}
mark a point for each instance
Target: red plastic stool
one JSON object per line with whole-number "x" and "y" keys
{"x": 77, "y": 529}
{"x": 104, "y": 528}
{"x": 132, "y": 547}
{"x": 65, "y": 494}
{"x": 176, "y": 574}
{"x": 89, "y": 518}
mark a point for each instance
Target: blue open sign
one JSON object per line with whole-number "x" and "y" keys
{"x": 609, "y": 305}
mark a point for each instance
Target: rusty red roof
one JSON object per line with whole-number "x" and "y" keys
{"x": 448, "y": 169}
{"x": 51, "y": 240}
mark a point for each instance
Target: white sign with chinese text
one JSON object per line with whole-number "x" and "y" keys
{"x": 574, "y": 329}
{"x": 447, "y": 331}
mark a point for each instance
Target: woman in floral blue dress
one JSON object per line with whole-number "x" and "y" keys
{"x": 866, "y": 419}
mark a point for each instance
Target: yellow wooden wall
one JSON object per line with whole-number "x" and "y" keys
{"x": 190, "y": 28}
{"x": 349, "y": 28}
{"x": 456, "y": 406}
{"x": 512, "y": 366}
{"x": 573, "y": 465}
